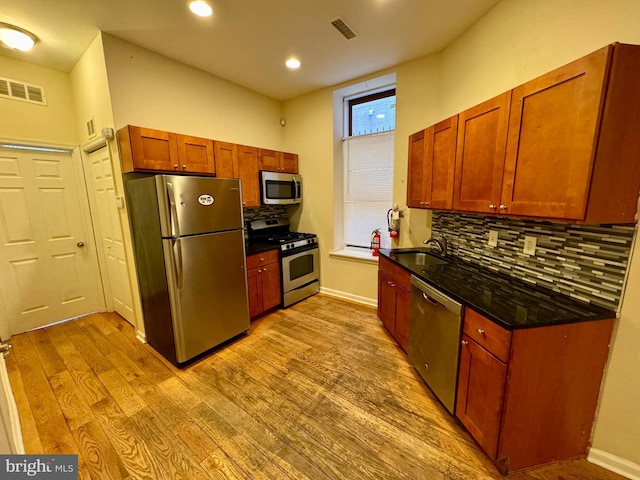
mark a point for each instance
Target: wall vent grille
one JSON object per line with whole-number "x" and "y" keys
{"x": 340, "y": 25}
{"x": 16, "y": 90}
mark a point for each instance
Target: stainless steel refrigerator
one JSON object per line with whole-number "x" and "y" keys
{"x": 190, "y": 259}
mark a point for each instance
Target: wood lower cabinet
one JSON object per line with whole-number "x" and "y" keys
{"x": 529, "y": 396}
{"x": 431, "y": 166}
{"x": 275, "y": 161}
{"x": 146, "y": 149}
{"x": 263, "y": 281}
{"x": 239, "y": 161}
{"x": 394, "y": 285}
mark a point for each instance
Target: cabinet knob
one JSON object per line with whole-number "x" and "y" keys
{"x": 503, "y": 207}
{"x": 262, "y": 259}
{"x": 481, "y": 331}
{"x": 492, "y": 206}
{"x": 426, "y": 204}
{"x": 175, "y": 166}
{"x": 464, "y": 343}
{"x": 184, "y": 167}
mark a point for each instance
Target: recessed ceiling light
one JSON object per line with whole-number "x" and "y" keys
{"x": 293, "y": 63}
{"x": 16, "y": 37}
{"x": 200, "y": 8}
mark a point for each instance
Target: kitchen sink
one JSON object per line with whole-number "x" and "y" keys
{"x": 416, "y": 257}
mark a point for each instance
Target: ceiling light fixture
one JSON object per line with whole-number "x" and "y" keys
{"x": 200, "y": 8}
{"x": 16, "y": 38}
{"x": 292, "y": 63}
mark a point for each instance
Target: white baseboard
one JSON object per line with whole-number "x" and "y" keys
{"x": 614, "y": 463}
{"x": 372, "y": 302}
{"x": 141, "y": 336}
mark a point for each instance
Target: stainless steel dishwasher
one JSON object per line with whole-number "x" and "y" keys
{"x": 435, "y": 329}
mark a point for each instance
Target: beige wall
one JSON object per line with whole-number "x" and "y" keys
{"x": 512, "y": 44}
{"x": 92, "y": 100}
{"x": 54, "y": 123}
{"x": 153, "y": 91}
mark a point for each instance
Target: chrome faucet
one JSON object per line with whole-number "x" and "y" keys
{"x": 442, "y": 244}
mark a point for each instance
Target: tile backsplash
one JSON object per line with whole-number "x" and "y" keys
{"x": 587, "y": 262}
{"x": 264, "y": 212}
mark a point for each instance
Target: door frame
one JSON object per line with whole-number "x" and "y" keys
{"x": 85, "y": 150}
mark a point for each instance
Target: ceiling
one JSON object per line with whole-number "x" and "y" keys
{"x": 247, "y": 41}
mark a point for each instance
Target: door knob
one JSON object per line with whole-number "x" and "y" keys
{"x": 80, "y": 244}
{"x": 5, "y": 349}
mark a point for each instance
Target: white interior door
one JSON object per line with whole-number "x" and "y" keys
{"x": 48, "y": 264}
{"x": 102, "y": 195}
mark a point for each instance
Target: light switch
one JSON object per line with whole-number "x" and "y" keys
{"x": 529, "y": 245}
{"x": 493, "y": 238}
{"x": 120, "y": 201}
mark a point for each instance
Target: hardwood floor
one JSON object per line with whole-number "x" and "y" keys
{"x": 316, "y": 391}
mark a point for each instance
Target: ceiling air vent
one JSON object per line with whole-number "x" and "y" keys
{"x": 340, "y": 25}
{"x": 24, "y": 92}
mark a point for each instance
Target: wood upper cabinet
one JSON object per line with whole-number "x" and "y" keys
{"x": 394, "y": 285}
{"x": 416, "y": 180}
{"x": 553, "y": 127}
{"x": 275, "y": 161}
{"x": 239, "y": 161}
{"x": 562, "y": 146}
{"x": 146, "y": 149}
{"x": 519, "y": 389}
{"x": 431, "y": 166}
{"x": 195, "y": 154}
{"x": 480, "y": 153}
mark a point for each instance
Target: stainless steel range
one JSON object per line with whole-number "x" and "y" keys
{"x": 299, "y": 257}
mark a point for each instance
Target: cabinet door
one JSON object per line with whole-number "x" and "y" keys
{"x": 402, "y": 317}
{"x": 247, "y": 171}
{"x": 480, "y": 152}
{"x": 195, "y": 154}
{"x": 226, "y": 156}
{"x": 480, "y": 395}
{"x": 387, "y": 301}
{"x": 416, "y": 177}
{"x": 289, "y": 162}
{"x": 268, "y": 160}
{"x": 552, "y": 131}
{"x": 440, "y": 160}
{"x": 271, "y": 286}
{"x": 254, "y": 291}
{"x": 153, "y": 149}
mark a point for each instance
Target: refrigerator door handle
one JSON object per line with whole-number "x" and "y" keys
{"x": 173, "y": 212}
{"x": 177, "y": 261}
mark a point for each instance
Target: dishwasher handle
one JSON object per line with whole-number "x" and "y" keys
{"x": 434, "y": 296}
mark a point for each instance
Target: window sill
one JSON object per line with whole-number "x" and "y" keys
{"x": 353, "y": 254}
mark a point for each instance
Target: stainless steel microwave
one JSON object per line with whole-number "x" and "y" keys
{"x": 280, "y": 188}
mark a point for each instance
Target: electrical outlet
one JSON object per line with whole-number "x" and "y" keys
{"x": 493, "y": 238}
{"x": 529, "y": 245}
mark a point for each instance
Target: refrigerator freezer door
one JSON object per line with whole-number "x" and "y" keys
{"x": 190, "y": 205}
{"x": 211, "y": 305}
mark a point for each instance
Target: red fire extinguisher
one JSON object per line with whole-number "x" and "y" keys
{"x": 375, "y": 242}
{"x": 393, "y": 221}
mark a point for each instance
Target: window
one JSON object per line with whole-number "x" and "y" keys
{"x": 368, "y": 158}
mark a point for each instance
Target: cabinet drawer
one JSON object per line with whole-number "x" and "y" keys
{"x": 263, "y": 258}
{"x": 397, "y": 273}
{"x": 487, "y": 334}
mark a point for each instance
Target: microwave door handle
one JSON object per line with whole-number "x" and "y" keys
{"x": 173, "y": 212}
{"x": 296, "y": 189}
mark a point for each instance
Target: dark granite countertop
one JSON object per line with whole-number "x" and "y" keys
{"x": 509, "y": 302}
{"x": 257, "y": 247}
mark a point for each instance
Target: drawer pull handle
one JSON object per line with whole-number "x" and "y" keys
{"x": 464, "y": 343}
{"x": 481, "y": 331}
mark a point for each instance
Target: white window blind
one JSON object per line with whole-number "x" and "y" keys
{"x": 368, "y": 186}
